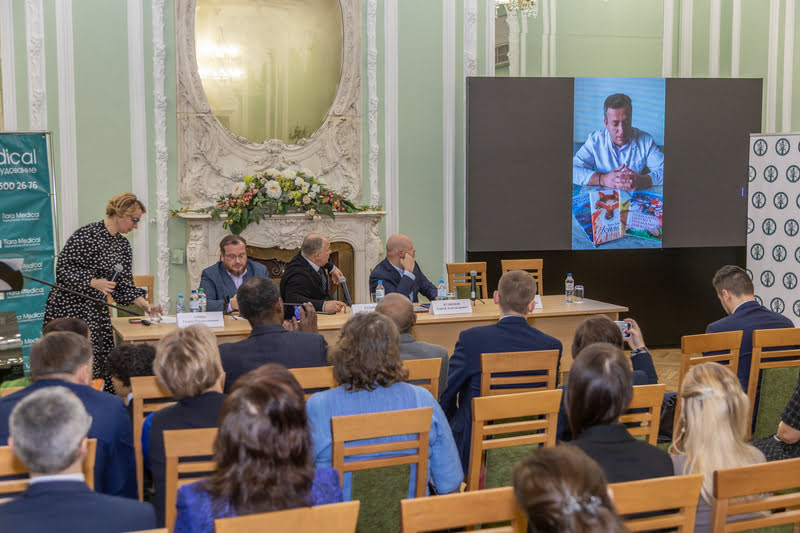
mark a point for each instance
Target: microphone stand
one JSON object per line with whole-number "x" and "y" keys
{"x": 76, "y": 293}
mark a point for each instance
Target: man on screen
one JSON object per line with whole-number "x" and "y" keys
{"x": 618, "y": 156}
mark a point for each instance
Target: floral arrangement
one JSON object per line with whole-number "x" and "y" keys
{"x": 276, "y": 192}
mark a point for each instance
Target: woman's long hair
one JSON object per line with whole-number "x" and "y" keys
{"x": 263, "y": 449}
{"x": 712, "y": 427}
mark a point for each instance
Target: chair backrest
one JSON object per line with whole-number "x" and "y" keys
{"x": 492, "y": 429}
{"x": 11, "y": 467}
{"x": 542, "y": 361}
{"x": 146, "y": 282}
{"x": 148, "y": 396}
{"x": 787, "y": 340}
{"x": 9, "y": 390}
{"x": 759, "y": 482}
{"x": 462, "y": 510}
{"x": 417, "y": 422}
{"x": 535, "y": 267}
{"x": 314, "y": 378}
{"x": 674, "y": 497}
{"x": 725, "y": 348}
{"x": 182, "y": 444}
{"x": 458, "y": 276}
{"x": 333, "y": 518}
{"x": 646, "y": 419}
{"x": 425, "y": 370}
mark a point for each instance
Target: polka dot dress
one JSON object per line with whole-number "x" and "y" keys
{"x": 92, "y": 252}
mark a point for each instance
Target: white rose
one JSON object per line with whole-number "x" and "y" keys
{"x": 299, "y": 182}
{"x": 304, "y": 188}
{"x": 289, "y": 173}
{"x": 272, "y": 172}
{"x": 239, "y": 188}
{"x": 312, "y": 195}
{"x": 306, "y": 200}
{"x": 315, "y": 188}
{"x": 273, "y": 189}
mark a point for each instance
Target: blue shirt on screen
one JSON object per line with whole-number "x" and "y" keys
{"x": 600, "y": 154}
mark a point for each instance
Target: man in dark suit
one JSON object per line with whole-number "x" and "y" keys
{"x": 48, "y": 434}
{"x": 220, "y": 281}
{"x": 306, "y": 277}
{"x": 512, "y": 333}
{"x": 64, "y": 359}
{"x": 400, "y": 272}
{"x": 270, "y": 341}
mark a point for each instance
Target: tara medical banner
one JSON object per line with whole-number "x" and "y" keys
{"x": 27, "y": 226}
{"x": 773, "y": 221}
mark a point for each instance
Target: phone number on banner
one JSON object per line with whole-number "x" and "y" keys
{"x": 18, "y": 185}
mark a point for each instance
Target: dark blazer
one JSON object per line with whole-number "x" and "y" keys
{"x": 114, "y": 465}
{"x": 300, "y": 283}
{"x": 199, "y": 411}
{"x": 219, "y": 287}
{"x": 621, "y": 456}
{"x": 72, "y": 507}
{"x": 510, "y": 334}
{"x": 393, "y": 281}
{"x": 272, "y": 344}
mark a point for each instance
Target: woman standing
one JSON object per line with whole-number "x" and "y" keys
{"x": 96, "y": 261}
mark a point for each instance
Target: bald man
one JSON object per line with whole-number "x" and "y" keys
{"x": 306, "y": 277}
{"x": 400, "y": 272}
{"x": 400, "y": 309}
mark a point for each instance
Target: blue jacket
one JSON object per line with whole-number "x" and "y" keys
{"x": 393, "y": 281}
{"x": 219, "y": 287}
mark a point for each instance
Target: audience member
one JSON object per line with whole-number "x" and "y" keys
{"x": 512, "y": 333}
{"x": 187, "y": 365}
{"x": 305, "y": 278}
{"x": 785, "y": 443}
{"x": 712, "y": 431}
{"x": 400, "y": 272}
{"x": 599, "y": 390}
{"x": 366, "y": 361}
{"x": 562, "y": 490}
{"x": 221, "y": 280}
{"x": 64, "y": 358}
{"x": 48, "y": 434}
{"x": 269, "y": 341}
{"x": 126, "y": 361}
{"x": 400, "y": 309}
{"x": 263, "y": 454}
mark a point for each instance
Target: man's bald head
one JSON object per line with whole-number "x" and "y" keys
{"x": 399, "y": 308}
{"x": 397, "y": 246}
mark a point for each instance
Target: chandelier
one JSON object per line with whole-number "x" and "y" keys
{"x": 523, "y": 7}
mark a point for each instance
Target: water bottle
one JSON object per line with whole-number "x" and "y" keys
{"x": 194, "y": 304}
{"x": 202, "y": 301}
{"x": 569, "y": 288}
{"x": 380, "y": 291}
{"x": 441, "y": 291}
{"x": 180, "y": 305}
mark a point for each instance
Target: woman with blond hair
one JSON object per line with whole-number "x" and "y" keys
{"x": 712, "y": 430}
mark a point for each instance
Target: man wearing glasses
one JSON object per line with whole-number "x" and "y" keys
{"x": 220, "y": 281}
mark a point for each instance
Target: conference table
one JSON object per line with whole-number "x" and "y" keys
{"x": 556, "y": 318}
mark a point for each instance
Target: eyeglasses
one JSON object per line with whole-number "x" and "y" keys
{"x": 232, "y": 257}
{"x": 135, "y": 220}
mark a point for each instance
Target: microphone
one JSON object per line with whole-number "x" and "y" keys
{"x": 473, "y": 286}
{"x": 117, "y": 271}
{"x": 347, "y": 299}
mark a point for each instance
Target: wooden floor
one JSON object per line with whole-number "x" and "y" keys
{"x": 668, "y": 364}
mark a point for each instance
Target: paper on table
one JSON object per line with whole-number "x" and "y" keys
{"x": 168, "y": 319}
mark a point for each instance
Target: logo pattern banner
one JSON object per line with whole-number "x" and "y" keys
{"x": 773, "y": 222}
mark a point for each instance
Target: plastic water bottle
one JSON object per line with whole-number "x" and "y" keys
{"x": 441, "y": 290}
{"x": 194, "y": 304}
{"x": 180, "y": 305}
{"x": 569, "y": 288}
{"x": 202, "y": 301}
{"x": 380, "y": 291}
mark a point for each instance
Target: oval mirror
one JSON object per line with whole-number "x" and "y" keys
{"x": 270, "y": 68}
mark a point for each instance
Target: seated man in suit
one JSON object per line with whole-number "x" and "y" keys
{"x": 305, "y": 278}
{"x": 400, "y": 272}
{"x": 221, "y": 281}
{"x": 64, "y": 359}
{"x": 48, "y": 434}
{"x": 512, "y": 333}
{"x": 400, "y": 309}
{"x": 270, "y": 341}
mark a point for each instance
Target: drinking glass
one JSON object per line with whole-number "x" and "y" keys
{"x": 578, "y": 294}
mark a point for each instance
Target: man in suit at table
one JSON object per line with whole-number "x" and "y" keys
{"x": 48, "y": 434}
{"x": 400, "y": 272}
{"x": 305, "y": 278}
{"x": 512, "y": 333}
{"x": 271, "y": 341}
{"x": 221, "y": 281}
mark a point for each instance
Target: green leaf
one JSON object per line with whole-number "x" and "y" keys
{"x": 325, "y": 209}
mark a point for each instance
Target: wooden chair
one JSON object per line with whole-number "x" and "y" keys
{"x": 426, "y": 370}
{"x": 384, "y": 424}
{"x": 458, "y": 276}
{"x": 9, "y": 390}
{"x": 534, "y": 267}
{"x": 756, "y": 485}
{"x": 544, "y": 361}
{"x": 492, "y": 429}
{"x": 678, "y": 494}
{"x": 148, "y": 397}
{"x": 333, "y": 518}
{"x": 146, "y": 282}
{"x": 315, "y": 378}
{"x": 182, "y": 444}
{"x": 692, "y": 349}
{"x": 649, "y": 397}
{"x": 11, "y": 467}
{"x": 765, "y": 356}
{"x": 462, "y": 510}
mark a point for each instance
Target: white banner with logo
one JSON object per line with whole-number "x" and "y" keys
{"x": 773, "y": 221}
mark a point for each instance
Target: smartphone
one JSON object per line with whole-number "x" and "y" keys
{"x": 624, "y": 328}
{"x": 297, "y": 312}
{"x": 135, "y": 320}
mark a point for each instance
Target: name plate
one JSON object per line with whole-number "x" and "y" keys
{"x": 538, "y": 301}
{"x": 451, "y": 307}
{"x": 362, "y": 308}
{"x": 212, "y": 319}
